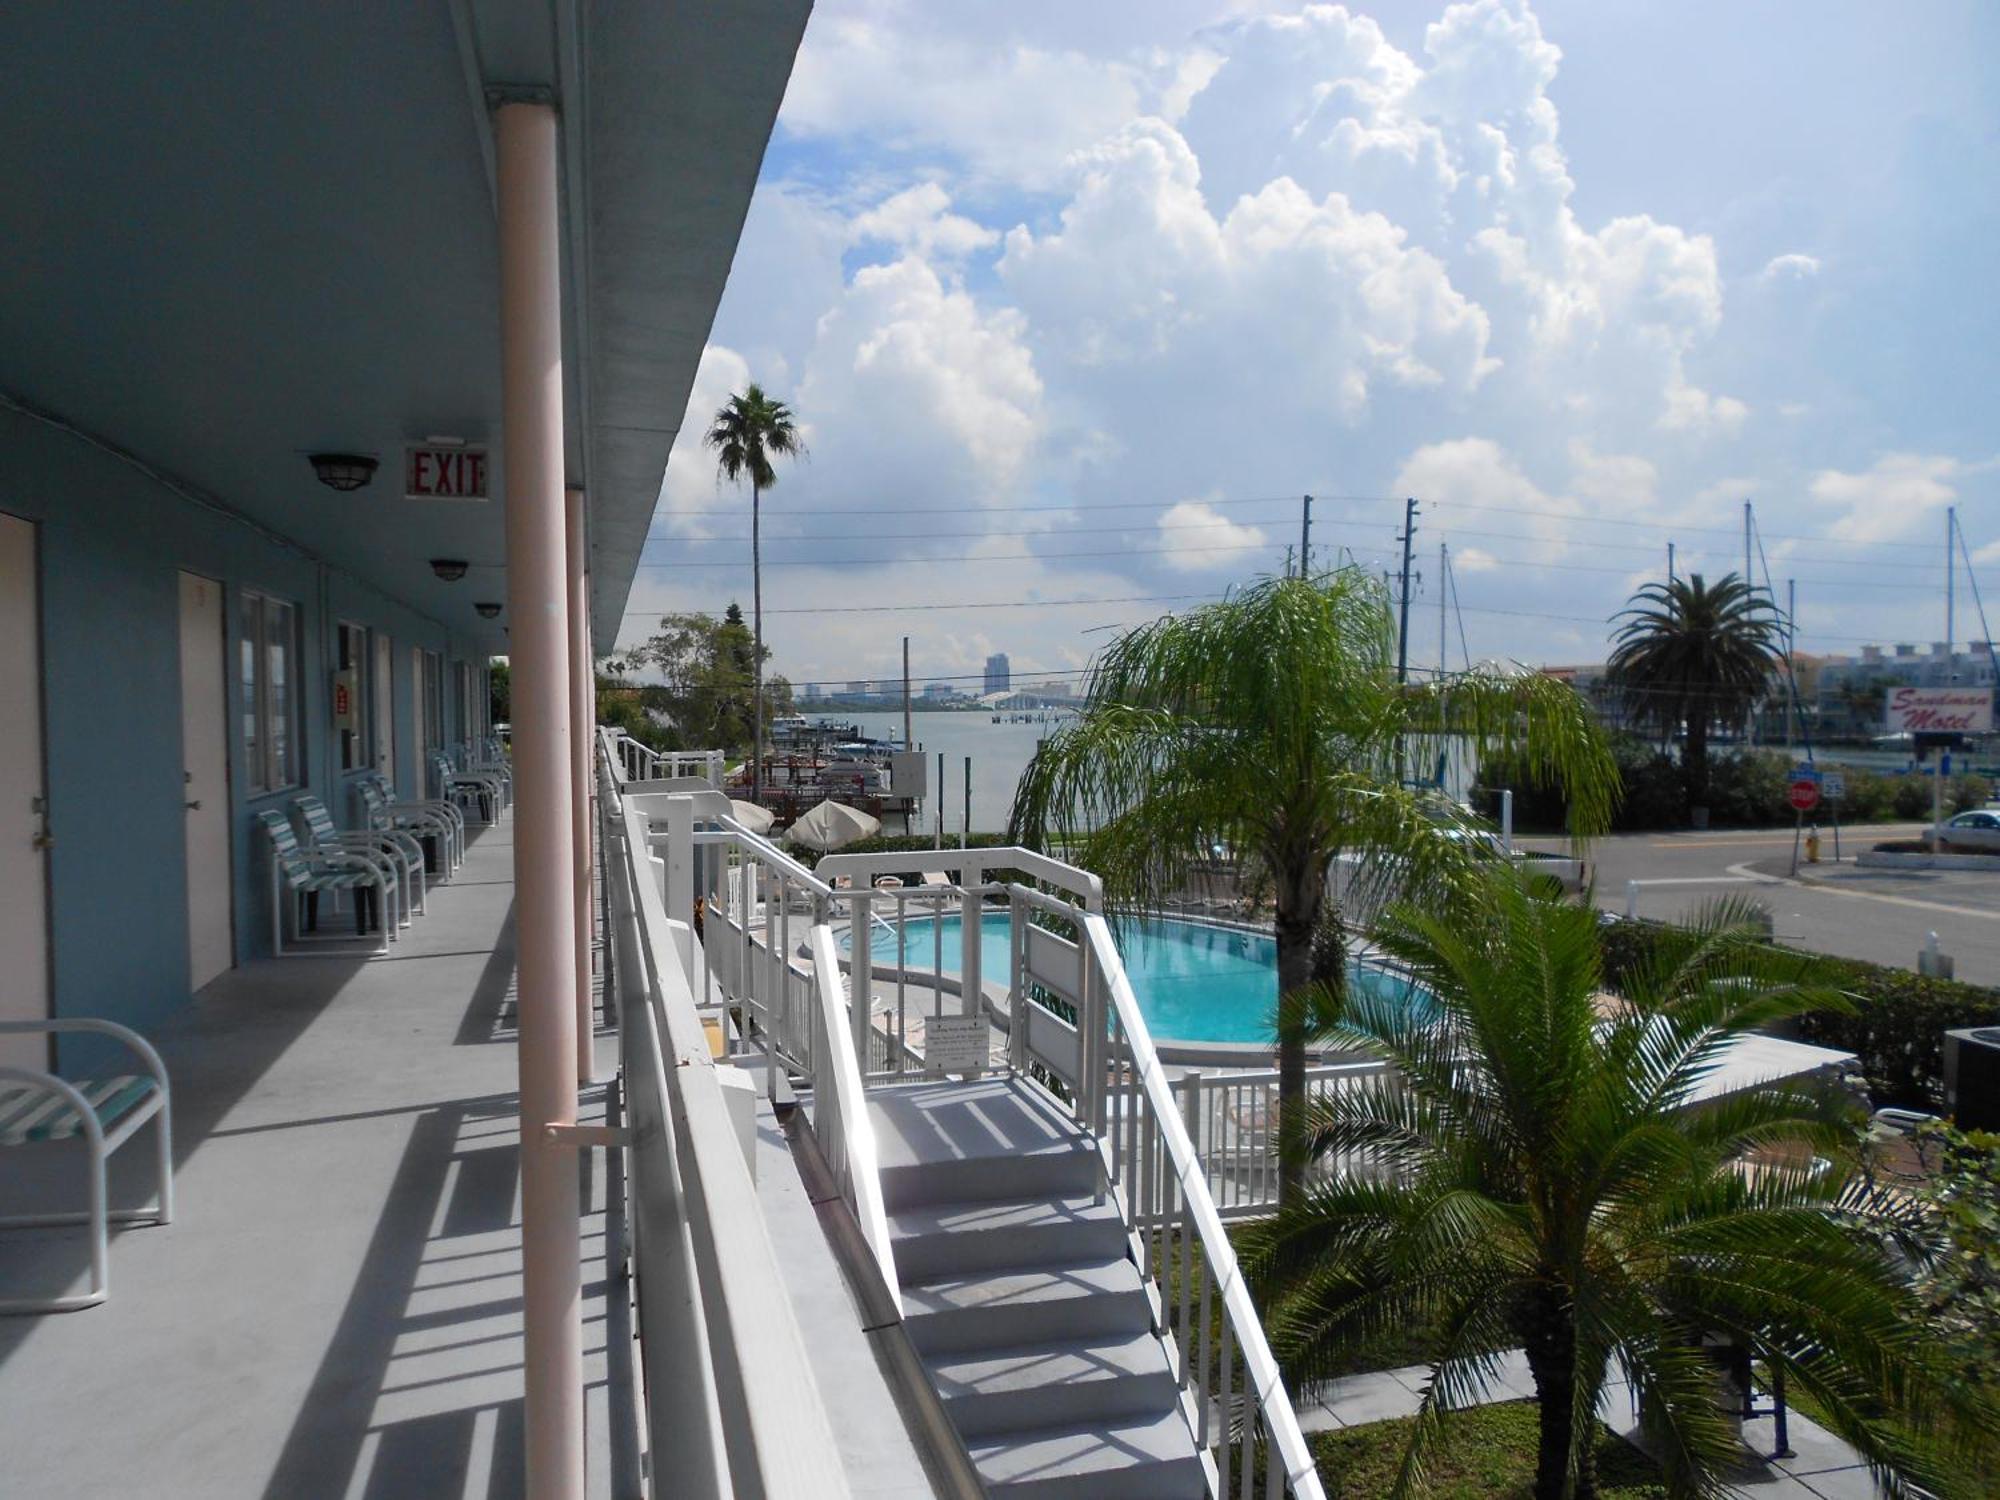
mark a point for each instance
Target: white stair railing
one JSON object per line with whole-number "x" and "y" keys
{"x": 840, "y": 1119}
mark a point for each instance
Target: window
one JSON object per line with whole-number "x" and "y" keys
{"x": 430, "y": 699}
{"x": 268, "y": 653}
{"x": 350, "y": 695}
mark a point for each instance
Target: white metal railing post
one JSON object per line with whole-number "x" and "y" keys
{"x": 861, "y": 945}
{"x": 680, "y": 870}
{"x": 1017, "y": 990}
{"x": 971, "y": 904}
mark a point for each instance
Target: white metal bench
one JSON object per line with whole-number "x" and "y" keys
{"x": 37, "y": 1107}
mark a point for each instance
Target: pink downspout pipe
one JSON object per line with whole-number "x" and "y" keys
{"x": 582, "y": 711}
{"x": 531, "y": 383}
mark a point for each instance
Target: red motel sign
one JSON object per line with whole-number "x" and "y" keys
{"x": 434, "y": 473}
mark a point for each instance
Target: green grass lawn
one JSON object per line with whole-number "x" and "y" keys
{"x": 1487, "y": 1453}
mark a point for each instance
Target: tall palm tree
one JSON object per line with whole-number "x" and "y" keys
{"x": 1273, "y": 723}
{"x": 1693, "y": 656}
{"x": 746, "y": 434}
{"x": 1551, "y": 1188}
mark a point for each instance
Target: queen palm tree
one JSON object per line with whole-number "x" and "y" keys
{"x": 1691, "y": 657}
{"x": 1273, "y": 723}
{"x": 1550, "y": 1187}
{"x": 749, "y": 430}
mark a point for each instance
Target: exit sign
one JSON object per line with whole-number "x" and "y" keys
{"x": 432, "y": 473}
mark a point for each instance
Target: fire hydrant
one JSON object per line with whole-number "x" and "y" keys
{"x": 1812, "y": 845}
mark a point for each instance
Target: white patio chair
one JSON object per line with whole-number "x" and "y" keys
{"x": 441, "y": 821}
{"x": 404, "y": 854}
{"x": 480, "y": 793}
{"x": 308, "y": 875}
{"x": 107, "y": 1112}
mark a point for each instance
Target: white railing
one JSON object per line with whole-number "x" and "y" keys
{"x": 1073, "y": 1027}
{"x": 1232, "y": 1122}
{"x": 731, "y": 1407}
{"x": 1101, "y": 1058}
{"x": 638, "y": 762}
{"x": 840, "y": 1118}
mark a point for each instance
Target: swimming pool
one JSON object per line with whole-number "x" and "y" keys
{"x": 1195, "y": 982}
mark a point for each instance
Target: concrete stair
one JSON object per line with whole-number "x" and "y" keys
{"x": 1021, "y": 1296}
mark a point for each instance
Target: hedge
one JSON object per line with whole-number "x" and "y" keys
{"x": 1897, "y": 1026}
{"x": 1746, "y": 789}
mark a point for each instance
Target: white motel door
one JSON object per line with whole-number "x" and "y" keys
{"x": 24, "y": 823}
{"x": 205, "y": 763}
{"x": 385, "y": 707}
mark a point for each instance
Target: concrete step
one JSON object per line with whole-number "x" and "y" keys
{"x": 998, "y": 1391}
{"x": 982, "y": 1140}
{"x": 949, "y": 1239}
{"x": 997, "y": 1309}
{"x": 1149, "y": 1458}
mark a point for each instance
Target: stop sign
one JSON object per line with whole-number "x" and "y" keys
{"x": 1805, "y": 794}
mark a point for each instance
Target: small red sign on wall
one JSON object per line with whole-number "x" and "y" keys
{"x": 432, "y": 473}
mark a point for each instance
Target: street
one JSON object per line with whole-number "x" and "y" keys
{"x": 1883, "y": 916}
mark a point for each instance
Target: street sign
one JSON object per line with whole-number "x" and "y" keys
{"x": 957, "y": 1044}
{"x": 1833, "y": 785}
{"x": 1805, "y": 794}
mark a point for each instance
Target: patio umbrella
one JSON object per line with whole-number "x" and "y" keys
{"x": 831, "y": 826}
{"x": 757, "y": 819}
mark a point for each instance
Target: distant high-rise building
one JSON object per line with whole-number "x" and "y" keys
{"x": 999, "y": 676}
{"x": 857, "y": 690}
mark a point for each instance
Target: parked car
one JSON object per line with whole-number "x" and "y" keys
{"x": 1974, "y": 832}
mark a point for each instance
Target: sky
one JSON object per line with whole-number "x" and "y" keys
{"x": 1075, "y": 303}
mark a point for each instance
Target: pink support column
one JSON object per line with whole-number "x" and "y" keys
{"x": 544, "y": 816}
{"x": 583, "y": 693}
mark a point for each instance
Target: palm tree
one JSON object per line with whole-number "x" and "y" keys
{"x": 1694, "y": 656}
{"x": 1554, "y": 1190}
{"x": 746, "y": 434}
{"x": 1273, "y": 723}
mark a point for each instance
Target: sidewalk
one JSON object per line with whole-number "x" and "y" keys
{"x": 1822, "y": 1466}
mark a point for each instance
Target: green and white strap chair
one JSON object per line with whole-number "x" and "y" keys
{"x": 37, "y": 1107}
{"x": 440, "y": 821}
{"x": 405, "y": 854}
{"x": 306, "y": 875}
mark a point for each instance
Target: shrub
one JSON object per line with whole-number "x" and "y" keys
{"x": 1897, "y": 1026}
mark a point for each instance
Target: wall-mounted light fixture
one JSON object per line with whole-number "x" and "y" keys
{"x": 487, "y": 609}
{"x": 342, "y": 471}
{"x": 450, "y": 569}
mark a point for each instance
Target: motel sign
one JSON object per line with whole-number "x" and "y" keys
{"x": 1923, "y": 710}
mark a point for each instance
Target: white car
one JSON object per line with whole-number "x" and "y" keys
{"x": 1971, "y": 831}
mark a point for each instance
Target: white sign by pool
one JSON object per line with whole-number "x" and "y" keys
{"x": 957, "y": 1044}
{"x": 1925, "y": 710}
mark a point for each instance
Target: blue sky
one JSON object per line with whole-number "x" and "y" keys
{"x": 1075, "y": 302}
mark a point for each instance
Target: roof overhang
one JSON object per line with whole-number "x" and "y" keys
{"x": 235, "y": 236}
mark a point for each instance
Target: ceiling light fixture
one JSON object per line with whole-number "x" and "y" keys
{"x": 487, "y": 609}
{"x": 450, "y": 569}
{"x": 342, "y": 471}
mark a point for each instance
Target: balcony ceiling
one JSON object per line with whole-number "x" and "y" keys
{"x": 235, "y": 235}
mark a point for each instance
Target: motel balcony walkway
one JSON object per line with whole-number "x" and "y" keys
{"x": 335, "y": 1311}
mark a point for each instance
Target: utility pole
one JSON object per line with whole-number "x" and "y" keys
{"x": 1403, "y": 625}
{"x": 1288, "y": 560}
{"x": 1791, "y": 659}
{"x": 1670, "y": 562}
{"x": 1746, "y": 544}
{"x": 908, "y": 741}
{"x": 1306, "y": 540}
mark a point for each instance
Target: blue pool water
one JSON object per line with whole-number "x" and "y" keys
{"x": 1194, "y": 982}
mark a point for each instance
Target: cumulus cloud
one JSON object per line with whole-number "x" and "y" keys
{"x": 1793, "y": 266}
{"x": 1331, "y": 301}
{"x": 1890, "y": 497}
{"x": 920, "y": 219}
{"x": 1478, "y": 471}
{"x": 1474, "y": 560}
{"x": 1196, "y": 537}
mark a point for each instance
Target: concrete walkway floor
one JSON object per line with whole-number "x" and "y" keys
{"x": 1821, "y": 1467}
{"x": 335, "y": 1311}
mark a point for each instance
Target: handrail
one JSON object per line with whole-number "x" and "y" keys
{"x": 1108, "y": 988}
{"x": 704, "y": 1261}
{"x": 840, "y": 1117}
